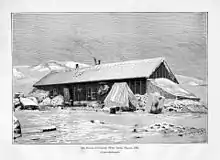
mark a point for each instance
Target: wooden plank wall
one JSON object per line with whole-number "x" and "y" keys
{"x": 79, "y": 92}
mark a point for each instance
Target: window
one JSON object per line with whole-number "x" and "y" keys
{"x": 143, "y": 86}
{"x": 74, "y": 94}
{"x": 137, "y": 87}
{"x": 94, "y": 94}
{"x": 91, "y": 93}
{"x": 54, "y": 91}
{"x": 132, "y": 86}
{"x": 83, "y": 93}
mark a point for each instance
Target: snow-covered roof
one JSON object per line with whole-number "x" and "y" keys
{"x": 102, "y": 72}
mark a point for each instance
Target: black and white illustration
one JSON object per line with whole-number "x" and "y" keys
{"x": 109, "y": 78}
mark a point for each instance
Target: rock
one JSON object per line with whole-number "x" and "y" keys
{"x": 142, "y": 101}
{"x": 28, "y": 104}
{"x": 45, "y": 108}
{"x": 16, "y": 102}
{"x": 113, "y": 110}
{"x": 172, "y": 109}
{"x": 57, "y": 101}
{"x": 94, "y": 104}
{"x": 185, "y": 106}
{"x": 135, "y": 130}
{"x": 16, "y": 128}
{"x": 157, "y": 103}
{"x": 138, "y": 136}
{"x": 106, "y": 109}
{"x": 18, "y": 95}
{"x": 33, "y": 99}
{"x": 102, "y": 122}
{"x": 171, "y": 125}
{"x": 97, "y": 122}
{"x": 39, "y": 94}
{"x": 171, "y": 129}
{"x": 46, "y": 102}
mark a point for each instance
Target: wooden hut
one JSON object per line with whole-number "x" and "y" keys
{"x": 82, "y": 84}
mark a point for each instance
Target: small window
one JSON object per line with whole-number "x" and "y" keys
{"x": 89, "y": 90}
{"x": 143, "y": 87}
{"x": 74, "y": 94}
{"x": 94, "y": 93}
{"x": 132, "y": 86}
{"x": 91, "y": 93}
{"x": 66, "y": 94}
{"x": 137, "y": 87}
{"x": 54, "y": 91}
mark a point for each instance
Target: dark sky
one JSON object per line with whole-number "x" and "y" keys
{"x": 111, "y": 37}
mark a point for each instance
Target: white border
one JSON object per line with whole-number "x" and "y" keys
{"x": 151, "y": 151}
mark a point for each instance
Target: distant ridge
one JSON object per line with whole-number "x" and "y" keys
{"x": 25, "y": 76}
{"x": 190, "y": 81}
{"x": 52, "y": 65}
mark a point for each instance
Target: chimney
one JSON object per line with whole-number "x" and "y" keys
{"x": 99, "y": 62}
{"x": 77, "y": 66}
{"x": 95, "y": 60}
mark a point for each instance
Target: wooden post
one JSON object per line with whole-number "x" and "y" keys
{"x": 140, "y": 87}
{"x": 86, "y": 91}
{"x": 135, "y": 87}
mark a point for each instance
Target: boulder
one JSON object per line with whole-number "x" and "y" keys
{"x": 113, "y": 110}
{"x": 186, "y": 106}
{"x": 157, "y": 103}
{"x": 33, "y": 99}
{"x": 97, "y": 122}
{"x": 106, "y": 109}
{"x": 16, "y": 102}
{"x": 93, "y": 104}
{"x": 58, "y": 100}
{"x": 16, "y": 128}
{"x": 28, "y": 104}
{"x": 172, "y": 129}
{"x": 39, "y": 94}
{"x": 46, "y": 102}
{"x": 18, "y": 95}
{"x": 144, "y": 102}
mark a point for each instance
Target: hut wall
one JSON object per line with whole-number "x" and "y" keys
{"x": 162, "y": 72}
{"x": 84, "y": 91}
{"x": 88, "y": 91}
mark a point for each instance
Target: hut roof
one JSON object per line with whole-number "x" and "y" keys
{"x": 102, "y": 72}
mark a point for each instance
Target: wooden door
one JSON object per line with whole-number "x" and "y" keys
{"x": 66, "y": 94}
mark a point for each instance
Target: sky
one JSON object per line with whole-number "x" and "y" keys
{"x": 111, "y": 37}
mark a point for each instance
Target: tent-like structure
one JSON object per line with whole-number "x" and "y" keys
{"x": 121, "y": 96}
{"x": 169, "y": 89}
